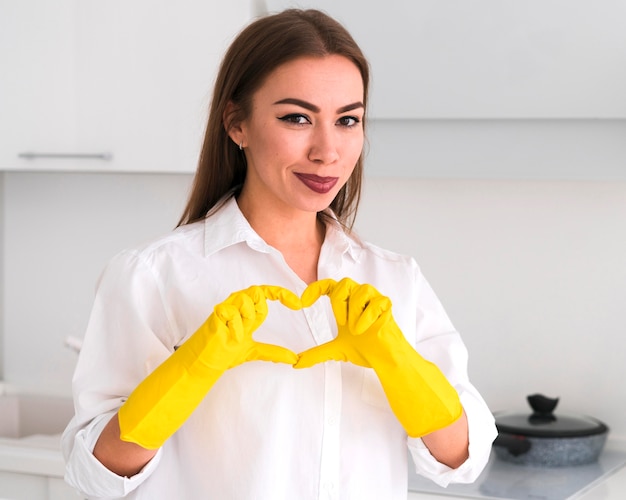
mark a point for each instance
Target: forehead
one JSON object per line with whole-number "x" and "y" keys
{"x": 328, "y": 78}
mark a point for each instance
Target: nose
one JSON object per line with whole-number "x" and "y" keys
{"x": 324, "y": 145}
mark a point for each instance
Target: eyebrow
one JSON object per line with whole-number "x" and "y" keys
{"x": 316, "y": 109}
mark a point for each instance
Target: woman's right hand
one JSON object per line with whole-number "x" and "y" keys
{"x": 233, "y": 323}
{"x": 164, "y": 399}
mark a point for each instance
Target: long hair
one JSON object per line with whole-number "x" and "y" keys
{"x": 259, "y": 49}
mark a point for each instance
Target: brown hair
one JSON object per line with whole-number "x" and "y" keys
{"x": 259, "y": 49}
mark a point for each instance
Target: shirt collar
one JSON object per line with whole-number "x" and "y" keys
{"x": 228, "y": 226}
{"x": 341, "y": 242}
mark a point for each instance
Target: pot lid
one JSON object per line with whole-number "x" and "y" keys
{"x": 543, "y": 423}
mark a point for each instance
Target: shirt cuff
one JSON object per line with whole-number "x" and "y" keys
{"x": 482, "y": 432}
{"x": 85, "y": 472}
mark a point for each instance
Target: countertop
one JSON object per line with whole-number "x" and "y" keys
{"x": 611, "y": 486}
{"x": 38, "y": 454}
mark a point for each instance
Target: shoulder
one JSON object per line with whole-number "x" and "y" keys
{"x": 392, "y": 273}
{"x": 185, "y": 242}
{"x": 370, "y": 252}
{"x": 189, "y": 237}
{"x": 387, "y": 255}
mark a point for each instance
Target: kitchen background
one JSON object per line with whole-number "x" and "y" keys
{"x": 497, "y": 157}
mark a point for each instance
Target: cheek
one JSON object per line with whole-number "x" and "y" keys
{"x": 263, "y": 147}
{"x": 354, "y": 150}
{"x": 286, "y": 147}
{"x": 273, "y": 153}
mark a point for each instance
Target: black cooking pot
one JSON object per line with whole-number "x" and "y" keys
{"x": 544, "y": 439}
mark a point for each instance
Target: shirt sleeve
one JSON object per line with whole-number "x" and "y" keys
{"x": 126, "y": 339}
{"x": 439, "y": 342}
{"x": 89, "y": 476}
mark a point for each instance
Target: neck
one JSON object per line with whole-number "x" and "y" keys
{"x": 291, "y": 235}
{"x": 297, "y": 236}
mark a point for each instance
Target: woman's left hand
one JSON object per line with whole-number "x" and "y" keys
{"x": 418, "y": 392}
{"x": 364, "y": 322}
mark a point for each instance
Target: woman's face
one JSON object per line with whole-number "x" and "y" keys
{"x": 304, "y": 134}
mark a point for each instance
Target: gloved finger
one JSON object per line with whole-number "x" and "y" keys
{"x": 359, "y": 300}
{"x": 285, "y": 296}
{"x": 319, "y": 354}
{"x": 252, "y": 308}
{"x": 229, "y": 315}
{"x": 274, "y": 353}
{"x": 340, "y": 299}
{"x": 316, "y": 289}
{"x": 249, "y": 302}
{"x": 378, "y": 310}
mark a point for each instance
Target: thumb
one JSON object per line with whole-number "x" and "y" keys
{"x": 274, "y": 353}
{"x": 320, "y": 354}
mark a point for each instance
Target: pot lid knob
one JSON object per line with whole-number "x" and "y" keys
{"x": 542, "y": 407}
{"x": 542, "y": 423}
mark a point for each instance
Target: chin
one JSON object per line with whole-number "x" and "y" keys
{"x": 314, "y": 202}
{"x": 319, "y": 206}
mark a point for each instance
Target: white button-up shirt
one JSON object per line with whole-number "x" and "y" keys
{"x": 264, "y": 430}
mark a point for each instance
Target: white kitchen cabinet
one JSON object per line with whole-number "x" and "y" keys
{"x": 441, "y": 59}
{"x": 116, "y": 85}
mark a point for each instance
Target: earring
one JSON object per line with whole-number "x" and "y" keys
{"x": 241, "y": 146}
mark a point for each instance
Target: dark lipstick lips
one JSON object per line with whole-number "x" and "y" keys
{"x": 316, "y": 183}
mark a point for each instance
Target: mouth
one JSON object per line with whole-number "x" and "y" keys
{"x": 321, "y": 185}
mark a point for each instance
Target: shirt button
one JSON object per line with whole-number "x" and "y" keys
{"x": 332, "y": 420}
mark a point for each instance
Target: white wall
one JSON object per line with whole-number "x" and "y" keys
{"x": 1, "y": 276}
{"x": 60, "y": 230}
{"x": 498, "y": 149}
{"x": 533, "y": 273}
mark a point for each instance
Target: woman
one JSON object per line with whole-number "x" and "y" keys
{"x": 174, "y": 396}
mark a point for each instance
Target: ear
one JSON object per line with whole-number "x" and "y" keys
{"x": 232, "y": 125}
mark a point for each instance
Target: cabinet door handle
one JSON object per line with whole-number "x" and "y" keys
{"x": 79, "y": 156}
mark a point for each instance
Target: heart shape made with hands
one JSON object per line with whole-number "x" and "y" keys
{"x": 361, "y": 313}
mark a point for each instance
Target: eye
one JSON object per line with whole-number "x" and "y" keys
{"x": 295, "y": 118}
{"x": 349, "y": 121}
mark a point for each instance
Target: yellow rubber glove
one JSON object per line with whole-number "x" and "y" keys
{"x": 419, "y": 394}
{"x": 166, "y": 398}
